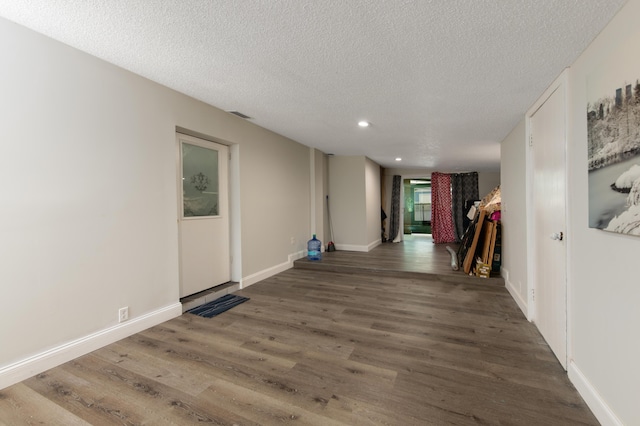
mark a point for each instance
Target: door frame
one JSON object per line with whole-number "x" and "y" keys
{"x": 560, "y": 84}
{"x": 235, "y": 241}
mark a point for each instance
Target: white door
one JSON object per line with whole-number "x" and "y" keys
{"x": 548, "y": 141}
{"x": 203, "y": 215}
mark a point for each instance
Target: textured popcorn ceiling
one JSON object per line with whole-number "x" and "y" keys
{"x": 441, "y": 81}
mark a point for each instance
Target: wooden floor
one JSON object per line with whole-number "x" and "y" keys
{"x": 417, "y": 256}
{"x": 321, "y": 347}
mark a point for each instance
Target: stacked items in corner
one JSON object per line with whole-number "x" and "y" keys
{"x": 480, "y": 250}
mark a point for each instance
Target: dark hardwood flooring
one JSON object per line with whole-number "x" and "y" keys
{"x": 323, "y": 347}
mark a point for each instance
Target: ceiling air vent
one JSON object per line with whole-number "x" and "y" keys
{"x": 239, "y": 114}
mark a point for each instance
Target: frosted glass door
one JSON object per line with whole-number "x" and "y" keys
{"x": 204, "y": 215}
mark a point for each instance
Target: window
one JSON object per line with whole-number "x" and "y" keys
{"x": 422, "y": 203}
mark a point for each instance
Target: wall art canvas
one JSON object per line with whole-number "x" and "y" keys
{"x": 613, "y": 129}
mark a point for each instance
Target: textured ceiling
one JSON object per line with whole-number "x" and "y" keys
{"x": 441, "y": 81}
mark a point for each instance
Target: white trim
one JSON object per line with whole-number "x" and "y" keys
{"x": 46, "y": 360}
{"x": 567, "y": 81}
{"x": 269, "y": 272}
{"x": 514, "y": 292}
{"x": 298, "y": 255}
{"x": 531, "y": 261}
{"x": 352, "y": 247}
{"x": 594, "y": 400}
{"x": 374, "y": 244}
{"x": 235, "y": 230}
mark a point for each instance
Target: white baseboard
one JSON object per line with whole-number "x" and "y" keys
{"x": 514, "y": 292}
{"x": 374, "y": 245}
{"x": 36, "y": 364}
{"x": 598, "y": 406}
{"x": 298, "y": 255}
{"x": 351, "y": 247}
{"x": 269, "y": 272}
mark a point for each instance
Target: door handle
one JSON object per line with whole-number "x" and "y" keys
{"x": 558, "y": 236}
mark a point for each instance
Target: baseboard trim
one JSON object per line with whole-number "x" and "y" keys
{"x": 298, "y": 255}
{"x": 351, "y": 247}
{"x": 515, "y": 294}
{"x": 46, "y": 360}
{"x": 598, "y": 406}
{"x": 374, "y": 245}
{"x": 269, "y": 272}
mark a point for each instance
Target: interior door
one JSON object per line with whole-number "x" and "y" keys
{"x": 204, "y": 214}
{"x": 548, "y": 133}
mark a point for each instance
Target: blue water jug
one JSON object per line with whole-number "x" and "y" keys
{"x": 314, "y": 249}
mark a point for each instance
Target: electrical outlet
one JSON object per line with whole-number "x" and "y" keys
{"x": 293, "y": 240}
{"x": 123, "y": 314}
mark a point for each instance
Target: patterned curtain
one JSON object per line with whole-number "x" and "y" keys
{"x": 442, "y": 228}
{"x": 464, "y": 187}
{"x": 395, "y": 208}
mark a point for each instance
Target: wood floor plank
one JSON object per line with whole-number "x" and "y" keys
{"x": 21, "y": 405}
{"x": 94, "y": 404}
{"x": 210, "y": 343}
{"x": 493, "y": 398}
{"x": 315, "y": 339}
{"x": 262, "y": 408}
{"x": 156, "y": 368}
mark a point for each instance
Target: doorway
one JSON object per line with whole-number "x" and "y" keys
{"x": 417, "y": 206}
{"x": 203, "y": 216}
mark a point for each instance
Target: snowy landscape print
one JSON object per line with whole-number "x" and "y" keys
{"x": 613, "y": 128}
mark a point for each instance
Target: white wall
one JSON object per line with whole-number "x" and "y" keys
{"x": 275, "y": 197}
{"x": 88, "y": 212}
{"x": 372, "y": 189}
{"x": 347, "y": 196}
{"x": 326, "y": 214}
{"x": 319, "y": 206}
{"x": 514, "y": 214}
{"x": 354, "y": 194}
{"x": 604, "y": 289}
{"x": 487, "y": 181}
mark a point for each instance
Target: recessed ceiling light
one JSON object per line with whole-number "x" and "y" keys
{"x": 398, "y": 159}
{"x": 363, "y": 123}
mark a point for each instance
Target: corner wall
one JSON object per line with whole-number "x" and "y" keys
{"x": 347, "y": 197}
{"x": 354, "y": 194}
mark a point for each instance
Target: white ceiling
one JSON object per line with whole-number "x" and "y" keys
{"x": 441, "y": 81}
